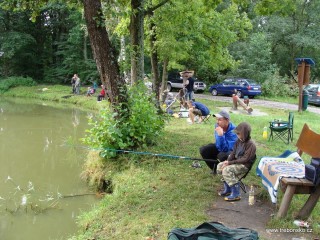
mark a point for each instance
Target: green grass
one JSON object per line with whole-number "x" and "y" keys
{"x": 54, "y": 93}
{"x": 153, "y": 195}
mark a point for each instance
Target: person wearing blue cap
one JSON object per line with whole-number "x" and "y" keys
{"x": 225, "y": 139}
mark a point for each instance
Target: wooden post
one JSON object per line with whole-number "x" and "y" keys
{"x": 301, "y": 68}
{"x": 306, "y": 77}
{"x": 304, "y": 65}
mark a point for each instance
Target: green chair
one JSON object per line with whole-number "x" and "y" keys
{"x": 282, "y": 129}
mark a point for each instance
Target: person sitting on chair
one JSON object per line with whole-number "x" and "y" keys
{"x": 238, "y": 163}
{"x": 225, "y": 139}
{"x": 102, "y": 93}
{"x": 169, "y": 101}
{"x": 182, "y": 98}
{"x": 90, "y": 91}
{"x": 197, "y": 109}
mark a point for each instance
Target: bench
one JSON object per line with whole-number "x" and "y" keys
{"x": 308, "y": 143}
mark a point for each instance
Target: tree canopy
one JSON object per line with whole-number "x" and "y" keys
{"x": 214, "y": 38}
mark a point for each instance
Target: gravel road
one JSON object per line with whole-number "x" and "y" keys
{"x": 259, "y": 102}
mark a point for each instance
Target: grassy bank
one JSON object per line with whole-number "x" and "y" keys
{"x": 152, "y": 195}
{"x": 54, "y": 93}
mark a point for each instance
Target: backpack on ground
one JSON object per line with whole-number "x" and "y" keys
{"x": 212, "y": 231}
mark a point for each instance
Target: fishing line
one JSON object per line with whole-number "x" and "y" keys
{"x": 195, "y": 164}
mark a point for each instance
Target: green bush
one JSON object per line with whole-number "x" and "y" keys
{"x": 11, "y": 82}
{"x": 140, "y": 124}
{"x": 277, "y": 86}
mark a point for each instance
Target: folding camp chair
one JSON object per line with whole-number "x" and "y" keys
{"x": 206, "y": 118}
{"x": 282, "y": 129}
{"x": 242, "y": 185}
{"x": 181, "y": 96}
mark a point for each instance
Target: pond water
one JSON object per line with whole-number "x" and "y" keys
{"x": 41, "y": 192}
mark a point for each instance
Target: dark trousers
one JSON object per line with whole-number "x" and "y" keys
{"x": 100, "y": 97}
{"x": 210, "y": 151}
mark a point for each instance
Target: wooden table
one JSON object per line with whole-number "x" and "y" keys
{"x": 291, "y": 186}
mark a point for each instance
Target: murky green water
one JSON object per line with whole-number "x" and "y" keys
{"x": 38, "y": 172}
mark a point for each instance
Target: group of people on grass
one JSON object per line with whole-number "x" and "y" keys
{"x": 231, "y": 155}
{"x": 233, "y": 152}
{"x": 75, "y": 84}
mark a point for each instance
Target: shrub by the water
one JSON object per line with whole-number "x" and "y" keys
{"x": 139, "y": 125}
{"x": 6, "y": 84}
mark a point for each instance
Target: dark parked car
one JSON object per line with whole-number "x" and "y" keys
{"x": 314, "y": 93}
{"x": 175, "y": 82}
{"x": 244, "y": 87}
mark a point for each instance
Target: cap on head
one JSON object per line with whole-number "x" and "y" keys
{"x": 222, "y": 114}
{"x": 191, "y": 72}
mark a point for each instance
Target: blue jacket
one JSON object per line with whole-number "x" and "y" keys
{"x": 203, "y": 108}
{"x": 226, "y": 142}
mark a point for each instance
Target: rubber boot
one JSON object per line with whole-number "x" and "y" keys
{"x": 226, "y": 190}
{"x": 235, "y": 193}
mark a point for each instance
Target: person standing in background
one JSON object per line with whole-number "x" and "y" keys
{"x": 76, "y": 85}
{"x": 95, "y": 86}
{"x": 189, "y": 86}
{"x": 73, "y": 83}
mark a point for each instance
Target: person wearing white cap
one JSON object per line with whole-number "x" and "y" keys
{"x": 225, "y": 139}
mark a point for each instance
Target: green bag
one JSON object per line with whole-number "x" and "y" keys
{"x": 212, "y": 231}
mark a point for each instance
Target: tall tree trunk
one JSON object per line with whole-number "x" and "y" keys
{"x": 154, "y": 62}
{"x": 103, "y": 52}
{"x": 137, "y": 34}
{"x": 85, "y": 48}
{"x": 123, "y": 58}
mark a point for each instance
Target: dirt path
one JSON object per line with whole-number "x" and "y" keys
{"x": 240, "y": 214}
{"x": 258, "y": 102}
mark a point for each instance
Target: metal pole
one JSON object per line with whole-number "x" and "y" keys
{"x": 300, "y": 82}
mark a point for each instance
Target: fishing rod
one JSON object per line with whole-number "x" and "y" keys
{"x": 153, "y": 154}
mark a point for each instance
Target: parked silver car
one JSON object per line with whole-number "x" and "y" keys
{"x": 314, "y": 93}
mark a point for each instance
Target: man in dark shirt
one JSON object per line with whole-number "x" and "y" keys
{"x": 189, "y": 84}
